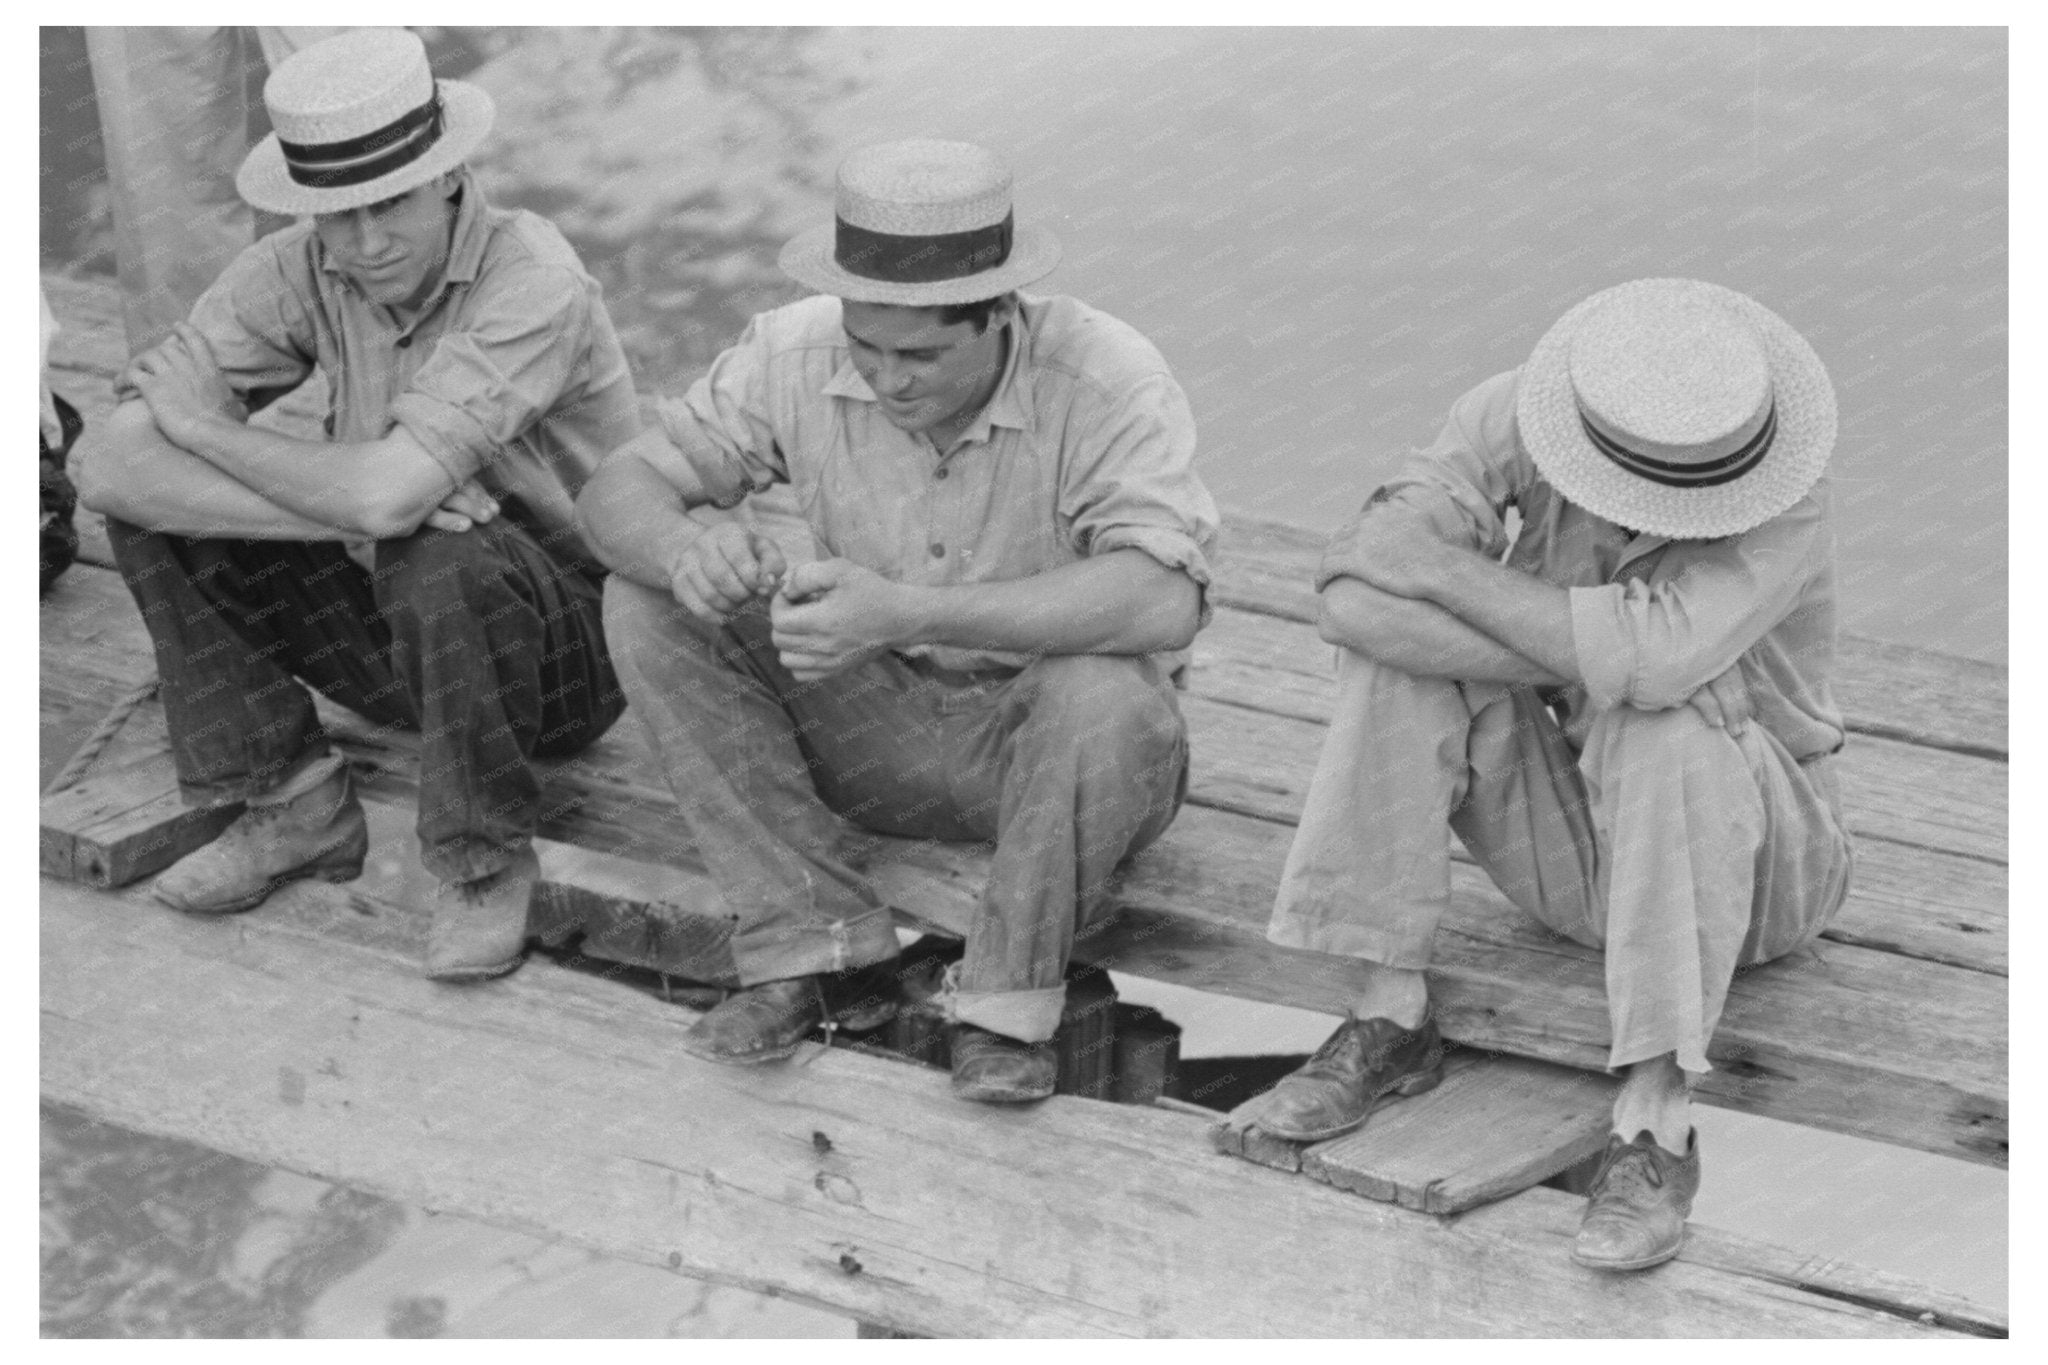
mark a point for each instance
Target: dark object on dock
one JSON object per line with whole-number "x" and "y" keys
{"x": 59, "y": 500}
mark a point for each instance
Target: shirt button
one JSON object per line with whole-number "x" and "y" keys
{"x": 938, "y": 550}
{"x": 404, "y": 342}
{"x": 943, "y": 471}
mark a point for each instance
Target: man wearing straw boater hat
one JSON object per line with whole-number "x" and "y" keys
{"x": 1014, "y": 549}
{"x": 421, "y": 566}
{"x": 1627, "y": 722}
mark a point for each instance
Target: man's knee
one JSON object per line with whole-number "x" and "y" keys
{"x": 432, "y": 567}
{"x": 1111, "y": 702}
{"x": 1678, "y": 741}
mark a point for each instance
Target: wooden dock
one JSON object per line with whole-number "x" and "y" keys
{"x": 302, "y": 1035}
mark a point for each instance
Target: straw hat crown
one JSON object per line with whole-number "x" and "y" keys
{"x": 1678, "y": 408}
{"x": 359, "y": 117}
{"x": 918, "y": 223}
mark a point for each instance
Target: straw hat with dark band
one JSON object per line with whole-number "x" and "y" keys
{"x": 921, "y": 223}
{"x": 1677, "y": 407}
{"x": 359, "y": 118}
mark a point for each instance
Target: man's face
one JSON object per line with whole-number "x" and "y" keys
{"x": 925, "y": 373}
{"x": 395, "y": 249}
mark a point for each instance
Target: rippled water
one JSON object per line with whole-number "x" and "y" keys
{"x": 1330, "y": 234}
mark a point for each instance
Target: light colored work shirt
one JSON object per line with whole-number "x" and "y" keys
{"x": 1653, "y": 619}
{"x": 511, "y": 373}
{"x": 1086, "y": 446}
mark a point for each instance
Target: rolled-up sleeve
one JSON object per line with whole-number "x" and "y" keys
{"x": 722, "y": 430}
{"x": 1651, "y": 643}
{"x": 501, "y": 371}
{"x": 1132, "y": 483}
{"x": 1459, "y": 486}
{"x": 255, "y": 320}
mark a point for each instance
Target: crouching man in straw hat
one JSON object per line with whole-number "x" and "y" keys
{"x": 1014, "y": 542}
{"x": 1628, "y": 722}
{"x": 475, "y": 384}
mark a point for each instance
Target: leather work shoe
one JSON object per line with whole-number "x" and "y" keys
{"x": 480, "y": 926}
{"x": 995, "y": 1069}
{"x": 765, "y": 1022}
{"x": 320, "y": 832}
{"x": 1635, "y": 1214}
{"x": 1360, "y": 1064}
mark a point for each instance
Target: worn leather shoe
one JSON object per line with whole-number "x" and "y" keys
{"x": 1359, "y": 1065}
{"x": 320, "y": 832}
{"x": 1636, "y": 1211}
{"x": 765, "y": 1022}
{"x": 480, "y": 926}
{"x": 995, "y": 1069}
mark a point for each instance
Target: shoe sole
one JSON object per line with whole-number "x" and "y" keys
{"x": 1640, "y": 1263}
{"x": 987, "y": 1096}
{"x": 458, "y": 976}
{"x": 1407, "y": 1085}
{"x": 339, "y": 872}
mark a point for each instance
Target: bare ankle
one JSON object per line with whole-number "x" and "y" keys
{"x": 1397, "y": 993}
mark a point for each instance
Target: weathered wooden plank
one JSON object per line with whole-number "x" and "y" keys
{"x": 1494, "y": 1129}
{"x": 117, "y": 825}
{"x": 560, "y": 1105}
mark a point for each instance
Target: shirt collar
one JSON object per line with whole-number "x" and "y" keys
{"x": 1009, "y": 406}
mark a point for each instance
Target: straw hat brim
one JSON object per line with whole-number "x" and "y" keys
{"x": 1547, "y": 414}
{"x": 264, "y": 181}
{"x": 807, "y": 258}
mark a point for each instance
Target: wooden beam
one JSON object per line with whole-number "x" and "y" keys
{"x": 560, "y": 1105}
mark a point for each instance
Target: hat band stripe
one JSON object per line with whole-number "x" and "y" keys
{"x": 354, "y": 161}
{"x": 928, "y": 259}
{"x": 1704, "y": 474}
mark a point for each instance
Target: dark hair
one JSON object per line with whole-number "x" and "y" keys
{"x": 978, "y": 312}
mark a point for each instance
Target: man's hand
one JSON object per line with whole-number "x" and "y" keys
{"x": 467, "y": 506}
{"x": 1725, "y": 702}
{"x": 1394, "y": 552}
{"x": 724, "y": 568}
{"x": 183, "y": 386}
{"x": 832, "y": 615}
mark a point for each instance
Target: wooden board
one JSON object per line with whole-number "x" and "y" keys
{"x": 118, "y": 825}
{"x": 1495, "y": 1126}
{"x": 560, "y": 1105}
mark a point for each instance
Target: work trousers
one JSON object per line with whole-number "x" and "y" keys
{"x": 1681, "y": 850}
{"x": 1069, "y": 766}
{"x": 478, "y": 639}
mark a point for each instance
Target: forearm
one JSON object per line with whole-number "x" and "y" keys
{"x": 332, "y": 483}
{"x": 1420, "y": 637}
{"x": 1123, "y": 602}
{"x": 636, "y": 520}
{"x": 125, "y": 468}
{"x": 1527, "y": 615}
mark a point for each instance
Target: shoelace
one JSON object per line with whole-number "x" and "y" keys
{"x": 1627, "y": 1171}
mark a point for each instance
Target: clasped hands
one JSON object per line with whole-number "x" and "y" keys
{"x": 827, "y": 616}
{"x": 182, "y": 383}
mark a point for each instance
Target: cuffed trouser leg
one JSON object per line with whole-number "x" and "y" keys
{"x": 1085, "y": 760}
{"x": 718, "y": 705}
{"x": 500, "y": 653}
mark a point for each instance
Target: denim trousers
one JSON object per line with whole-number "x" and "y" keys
{"x": 1068, "y": 766}
{"x": 478, "y": 639}
{"x": 1684, "y": 852}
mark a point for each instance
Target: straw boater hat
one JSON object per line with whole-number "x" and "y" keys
{"x": 1677, "y": 407}
{"x": 921, "y": 223}
{"x": 359, "y": 118}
